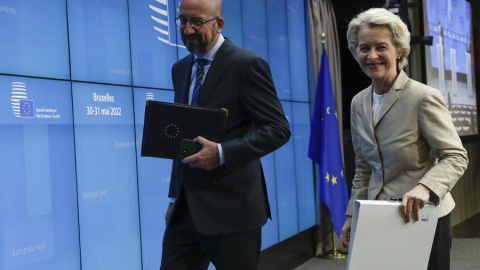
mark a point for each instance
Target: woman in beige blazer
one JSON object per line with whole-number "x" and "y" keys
{"x": 404, "y": 140}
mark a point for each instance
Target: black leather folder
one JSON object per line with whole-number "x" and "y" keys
{"x": 167, "y": 124}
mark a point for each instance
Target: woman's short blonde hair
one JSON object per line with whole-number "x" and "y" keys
{"x": 381, "y": 17}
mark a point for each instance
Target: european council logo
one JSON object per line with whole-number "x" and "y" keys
{"x": 150, "y": 96}
{"x": 22, "y": 106}
{"x": 164, "y": 25}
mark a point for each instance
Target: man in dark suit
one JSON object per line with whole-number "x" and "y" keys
{"x": 220, "y": 192}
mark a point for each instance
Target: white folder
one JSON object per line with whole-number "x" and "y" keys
{"x": 381, "y": 240}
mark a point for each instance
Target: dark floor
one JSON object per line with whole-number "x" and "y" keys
{"x": 289, "y": 253}
{"x": 465, "y": 255}
{"x": 298, "y": 252}
{"x": 469, "y": 228}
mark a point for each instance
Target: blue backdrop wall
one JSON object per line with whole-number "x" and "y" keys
{"x": 74, "y": 77}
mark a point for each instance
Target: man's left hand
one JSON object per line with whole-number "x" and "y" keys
{"x": 413, "y": 201}
{"x": 208, "y": 158}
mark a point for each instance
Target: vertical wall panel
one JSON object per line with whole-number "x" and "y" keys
{"x": 153, "y": 184}
{"x": 303, "y": 166}
{"x": 106, "y": 177}
{"x": 34, "y": 39}
{"x": 233, "y": 29}
{"x": 38, "y": 197}
{"x": 286, "y": 184}
{"x": 278, "y": 47}
{"x": 270, "y": 230}
{"x": 297, "y": 50}
{"x": 99, "y": 41}
{"x": 153, "y": 37}
{"x": 255, "y": 27}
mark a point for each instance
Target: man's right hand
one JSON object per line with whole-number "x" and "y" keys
{"x": 347, "y": 227}
{"x": 169, "y": 212}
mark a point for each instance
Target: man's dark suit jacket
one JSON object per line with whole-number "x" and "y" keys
{"x": 233, "y": 197}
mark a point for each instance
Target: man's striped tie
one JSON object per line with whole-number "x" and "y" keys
{"x": 198, "y": 78}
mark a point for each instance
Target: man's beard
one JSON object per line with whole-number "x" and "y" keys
{"x": 199, "y": 48}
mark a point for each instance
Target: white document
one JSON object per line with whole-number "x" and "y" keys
{"x": 381, "y": 240}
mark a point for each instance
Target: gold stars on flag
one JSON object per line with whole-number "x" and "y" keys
{"x": 328, "y": 112}
{"x": 333, "y": 178}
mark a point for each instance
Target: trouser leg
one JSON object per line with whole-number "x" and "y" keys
{"x": 442, "y": 243}
{"x": 181, "y": 248}
{"x": 237, "y": 251}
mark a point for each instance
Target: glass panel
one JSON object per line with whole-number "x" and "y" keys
{"x": 38, "y": 198}
{"x": 34, "y": 38}
{"x": 107, "y": 177}
{"x": 99, "y": 41}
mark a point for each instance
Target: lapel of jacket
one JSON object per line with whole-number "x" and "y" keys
{"x": 392, "y": 95}
{"x": 185, "y": 87}
{"x": 215, "y": 72}
{"x": 367, "y": 108}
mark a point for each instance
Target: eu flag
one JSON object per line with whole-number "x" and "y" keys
{"x": 325, "y": 150}
{"x": 26, "y": 108}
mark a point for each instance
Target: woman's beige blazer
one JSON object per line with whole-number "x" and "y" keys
{"x": 414, "y": 141}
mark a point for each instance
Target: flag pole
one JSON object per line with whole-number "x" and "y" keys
{"x": 333, "y": 254}
{"x": 323, "y": 37}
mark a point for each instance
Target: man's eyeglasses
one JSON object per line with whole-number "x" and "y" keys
{"x": 196, "y": 24}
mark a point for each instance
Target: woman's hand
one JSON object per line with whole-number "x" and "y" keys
{"x": 345, "y": 235}
{"x": 413, "y": 201}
